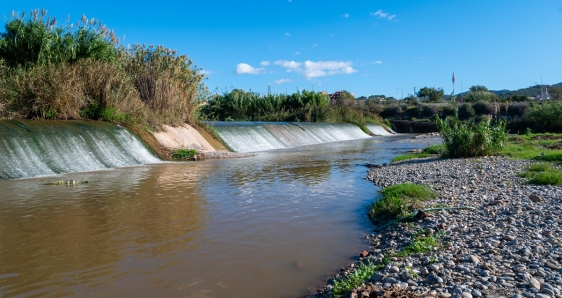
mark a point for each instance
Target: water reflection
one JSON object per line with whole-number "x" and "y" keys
{"x": 54, "y": 237}
{"x": 266, "y": 226}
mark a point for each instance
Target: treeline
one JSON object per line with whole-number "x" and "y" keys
{"x": 304, "y": 106}
{"x": 538, "y": 116}
{"x": 76, "y": 71}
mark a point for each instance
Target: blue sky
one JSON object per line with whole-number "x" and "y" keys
{"x": 365, "y": 47}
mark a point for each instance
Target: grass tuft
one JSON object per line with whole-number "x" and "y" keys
{"x": 398, "y": 201}
{"x": 184, "y": 154}
{"x": 353, "y": 280}
{"x": 427, "y": 152}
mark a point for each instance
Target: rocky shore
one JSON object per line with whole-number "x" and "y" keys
{"x": 508, "y": 245}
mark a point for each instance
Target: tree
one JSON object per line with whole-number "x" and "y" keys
{"x": 431, "y": 94}
{"x": 345, "y": 99}
{"x": 555, "y": 93}
{"x": 478, "y": 88}
{"x": 479, "y": 93}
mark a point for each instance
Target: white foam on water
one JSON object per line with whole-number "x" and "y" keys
{"x": 261, "y": 136}
{"x": 40, "y": 148}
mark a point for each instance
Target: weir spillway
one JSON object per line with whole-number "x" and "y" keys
{"x": 31, "y": 148}
{"x": 260, "y": 136}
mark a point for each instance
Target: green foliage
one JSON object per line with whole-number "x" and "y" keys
{"x": 542, "y": 174}
{"x": 354, "y": 279}
{"x": 427, "y": 152}
{"x": 410, "y": 156}
{"x": 471, "y": 139}
{"x": 431, "y": 94}
{"x": 184, "y": 154}
{"x": 239, "y": 105}
{"x": 435, "y": 149}
{"x": 70, "y": 72}
{"x": 552, "y": 177}
{"x": 398, "y": 201}
{"x": 167, "y": 83}
{"x": 420, "y": 244}
{"x": 40, "y": 41}
{"x": 545, "y": 117}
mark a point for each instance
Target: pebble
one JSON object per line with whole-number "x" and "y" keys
{"x": 508, "y": 245}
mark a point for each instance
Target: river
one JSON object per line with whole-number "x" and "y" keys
{"x": 272, "y": 225}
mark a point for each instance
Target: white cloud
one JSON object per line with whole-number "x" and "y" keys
{"x": 385, "y": 15}
{"x": 345, "y": 15}
{"x": 316, "y": 69}
{"x": 287, "y": 34}
{"x": 290, "y": 65}
{"x": 206, "y": 72}
{"x": 326, "y": 68}
{"x": 281, "y": 81}
{"x": 377, "y": 62}
{"x": 264, "y": 63}
{"x": 243, "y": 68}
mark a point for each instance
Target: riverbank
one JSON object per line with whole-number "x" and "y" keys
{"x": 507, "y": 245}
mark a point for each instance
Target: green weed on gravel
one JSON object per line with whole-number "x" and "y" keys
{"x": 427, "y": 152}
{"x": 542, "y": 174}
{"x": 354, "y": 279}
{"x": 398, "y": 201}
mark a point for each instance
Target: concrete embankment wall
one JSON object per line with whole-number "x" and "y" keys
{"x": 184, "y": 136}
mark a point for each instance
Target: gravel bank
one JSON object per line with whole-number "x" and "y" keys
{"x": 219, "y": 154}
{"x": 508, "y": 246}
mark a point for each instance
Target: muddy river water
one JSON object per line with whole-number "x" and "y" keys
{"x": 272, "y": 225}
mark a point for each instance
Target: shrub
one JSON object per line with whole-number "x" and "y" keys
{"x": 470, "y": 139}
{"x": 517, "y": 109}
{"x": 465, "y": 111}
{"x": 391, "y": 111}
{"x": 427, "y": 111}
{"x": 545, "y": 117}
{"x": 40, "y": 41}
{"x": 485, "y": 108}
{"x": 60, "y": 72}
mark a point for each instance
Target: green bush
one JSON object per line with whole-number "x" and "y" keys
{"x": 470, "y": 139}
{"x": 49, "y": 71}
{"x": 545, "y": 117}
{"x": 184, "y": 154}
{"x": 399, "y": 200}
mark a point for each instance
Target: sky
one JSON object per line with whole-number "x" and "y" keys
{"x": 365, "y": 47}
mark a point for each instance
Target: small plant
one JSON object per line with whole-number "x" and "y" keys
{"x": 552, "y": 177}
{"x": 354, "y": 279}
{"x": 398, "y": 201}
{"x": 184, "y": 154}
{"x": 427, "y": 152}
{"x": 420, "y": 244}
{"x": 542, "y": 174}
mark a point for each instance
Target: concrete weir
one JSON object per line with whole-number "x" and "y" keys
{"x": 183, "y": 136}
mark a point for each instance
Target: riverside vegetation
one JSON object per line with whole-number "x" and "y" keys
{"x": 305, "y": 106}
{"x": 50, "y": 70}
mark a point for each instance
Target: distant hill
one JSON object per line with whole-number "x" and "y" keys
{"x": 529, "y": 91}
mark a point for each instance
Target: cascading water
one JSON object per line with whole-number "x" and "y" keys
{"x": 260, "y": 136}
{"x": 377, "y": 130}
{"x": 38, "y": 148}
